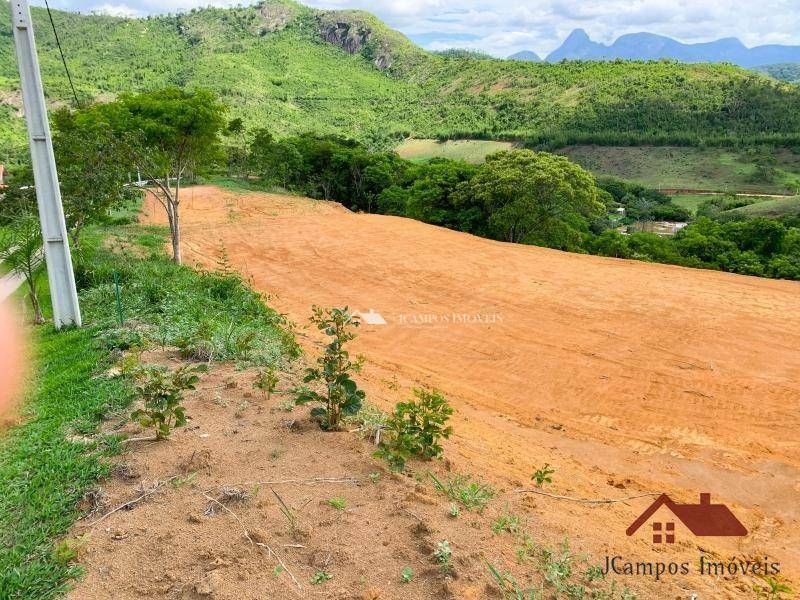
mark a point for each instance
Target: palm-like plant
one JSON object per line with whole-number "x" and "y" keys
{"x": 21, "y": 254}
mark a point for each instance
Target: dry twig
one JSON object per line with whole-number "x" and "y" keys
{"x": 150, "y": 492}
{"x": 584, "y": 500}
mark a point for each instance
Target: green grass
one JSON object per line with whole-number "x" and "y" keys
{"x": 43, "y": 473}
{"x": 671, "y": 167}
{"x": 471, "y": 151}
{"x": 772, "y": 209}
{"x": 44, "y": 470}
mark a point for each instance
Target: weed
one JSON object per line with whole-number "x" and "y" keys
{"x": 320, "y": 577}
{"x": 181, "y": 481}
{"x": 123, "y": 338}
{"x": 509, "y": 586}
{"x": 162, "y": 393}
{"x": 287, "y": 512}
{"x": 472, "y": 495}
{"x": 416, "y": 428}
{"x": 66, "y": 551}
{"x": 406, "y": 574}
{"x": 774, "y": 589}
{"x": 341, "y": 397}
{"x": 542, "y": 475}
{"x": 506, "y": 523}
{"x": 338, "y": 503}
{"x": 370, "y": 422}
{"x": 241, "y": 409}
{"x": 594, "y": 573}
{"x": 375, "y": 477}
{"x": 454, "y": 512}
{"x": 266, "y": 381}
{"x": 443, "y": 555}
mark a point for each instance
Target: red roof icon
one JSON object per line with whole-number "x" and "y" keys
{"x": 704, "y": 519}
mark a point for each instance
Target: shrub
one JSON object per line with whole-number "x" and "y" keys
{"x": 341, "y": 397}
{"x": 162, "y": 393}
{"x": 416, "y": 428}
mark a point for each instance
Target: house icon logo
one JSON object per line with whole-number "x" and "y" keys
{"x": 703, "y": 520}
{"x": 371, "y": 317}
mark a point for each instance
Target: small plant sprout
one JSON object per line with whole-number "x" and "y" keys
{"x": 406, "y": 574}
{"x": 266, "y": 381}
{"x": 341, "y": 397}
{"x": 443, "y": 555}
{"x": 320, "y": 577}
{"x": 375, "y": 477}
{"x": 288, "y": 513}
{"x": 509, "y": 586}
{"x": 338, "y": 503}
{"x": 506, "y": 523}
{"x": 453, "y": 512}
{"x": 162, "y": 393}
{"x": 542, "y": 475}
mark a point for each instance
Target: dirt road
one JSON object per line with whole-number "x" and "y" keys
{"x": 626, "y": 377}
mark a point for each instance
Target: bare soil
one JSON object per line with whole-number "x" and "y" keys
{"x": 628, "y": 378}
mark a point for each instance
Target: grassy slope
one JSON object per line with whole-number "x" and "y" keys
{"x": 43, "y": 472}
{"x": 770, "y": 208}
{"x": 672, "y": 167}
{"x": 471, "y": 151}
{"x": 292, "y": 80}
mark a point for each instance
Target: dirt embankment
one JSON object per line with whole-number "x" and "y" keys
{"x": 627, "y": 377}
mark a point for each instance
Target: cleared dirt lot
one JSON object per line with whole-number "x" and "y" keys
{"x": 627, "y": 377}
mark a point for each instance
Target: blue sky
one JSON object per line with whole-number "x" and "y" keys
{"x": 502, "y": 27}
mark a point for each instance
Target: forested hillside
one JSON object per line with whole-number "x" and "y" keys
{"x": 293, "y": 69}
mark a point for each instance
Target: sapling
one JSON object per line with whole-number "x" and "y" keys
{"x": 443, "y": 555}
{"x": 162, "y": 392}
{"x": 542, "y": 475}
{"x": 341, "y": 396}
{"x": 266, "y": 381}
{"x": 416, "y": 428}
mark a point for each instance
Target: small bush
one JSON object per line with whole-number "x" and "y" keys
{"x": 341, "y": 397}
{"x": 162, "y": 393}
{"x": 416, "y": 428}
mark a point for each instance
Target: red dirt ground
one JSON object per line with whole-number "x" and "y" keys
{"x": 627, "y": 377}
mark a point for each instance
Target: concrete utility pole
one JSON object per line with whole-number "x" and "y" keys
{"x": 66, "y": 310}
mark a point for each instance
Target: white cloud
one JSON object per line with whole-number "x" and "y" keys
{"x": 117, "y": 10}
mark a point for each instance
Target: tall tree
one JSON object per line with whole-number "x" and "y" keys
{"x": 534, "y": 197}
{"x": 168, "y": 134}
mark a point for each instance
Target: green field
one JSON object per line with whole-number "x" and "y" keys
{"x": 671, "y": 167}
{"x": 471, "y": 151}
{"x": 770, "y": 208}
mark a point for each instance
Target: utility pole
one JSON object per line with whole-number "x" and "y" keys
{"x": 66, "y": 310}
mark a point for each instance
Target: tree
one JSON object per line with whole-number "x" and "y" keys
{"x": 168, "y": 134}
{"x": 534, "y": 197}
{"x": 21, "y": 252}
{"x": 92, "y": 169}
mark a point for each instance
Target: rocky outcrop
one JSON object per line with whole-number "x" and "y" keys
{"x": 275, "y": 16}
{"x": 355, "y": 38}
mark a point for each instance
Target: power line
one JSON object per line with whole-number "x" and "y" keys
{"x": 61, "y": 51}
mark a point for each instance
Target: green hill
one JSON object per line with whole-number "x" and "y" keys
{"x": 293, "y": 68}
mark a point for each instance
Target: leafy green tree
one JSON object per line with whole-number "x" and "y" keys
{"x": 535, "y": 197}
{"x": 167, "y": 135}
{"x": 21, "y": 252}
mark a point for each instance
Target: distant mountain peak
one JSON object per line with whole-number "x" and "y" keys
{"x": 650, "y": 46}
{"x": 526, "y": 56}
